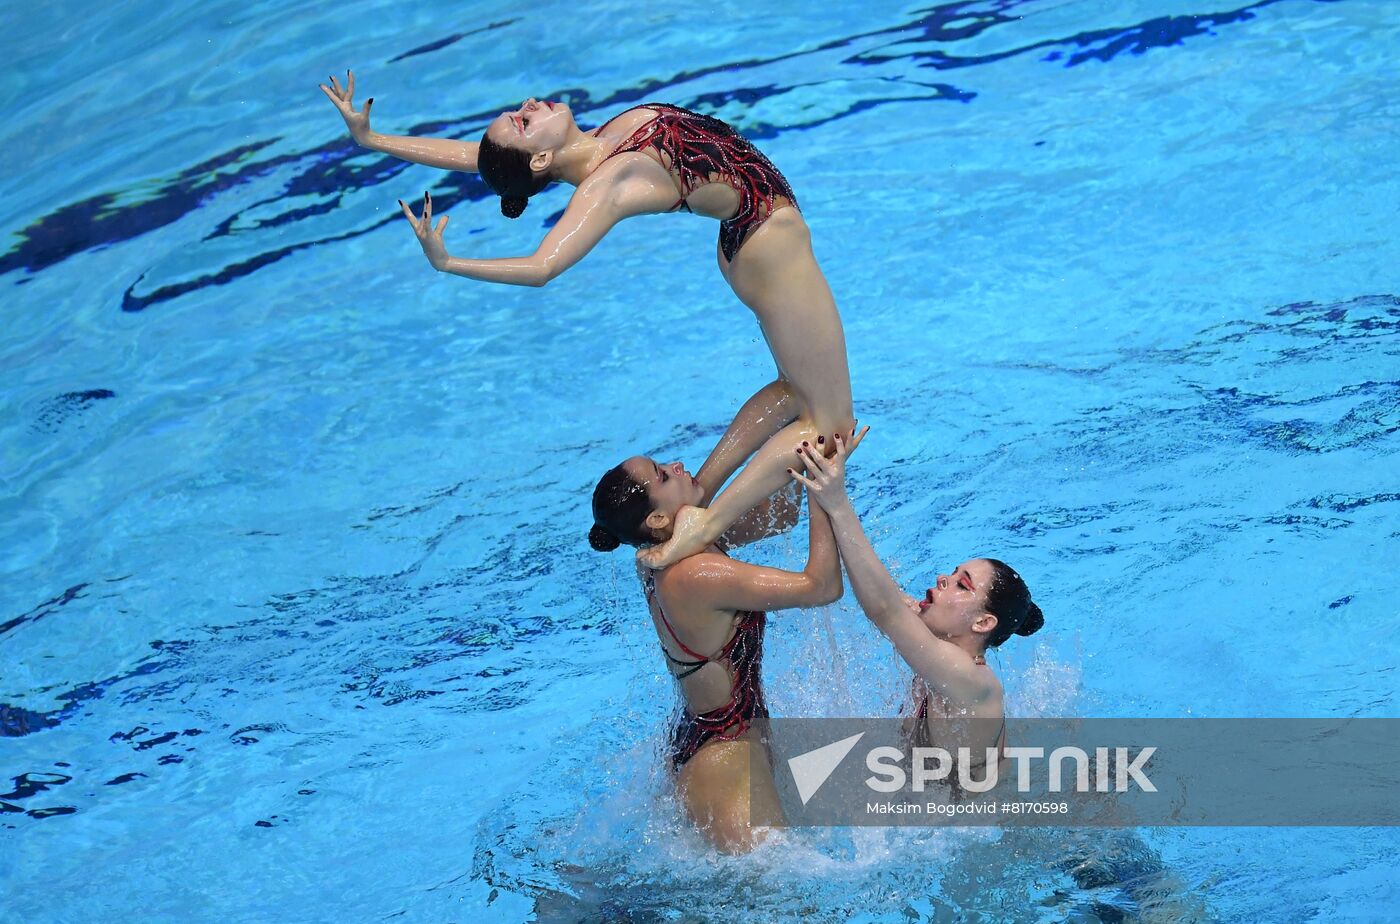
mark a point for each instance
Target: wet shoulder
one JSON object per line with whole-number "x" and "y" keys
{"x": 625, "y": 124}
{"x": 693, "y": 573}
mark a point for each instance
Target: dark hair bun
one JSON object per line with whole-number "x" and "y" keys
{"x": 601, "y": 539}
{"x": 1033, "y": 621}
{"x": 513, "y": 206}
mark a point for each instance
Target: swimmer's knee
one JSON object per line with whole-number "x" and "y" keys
{"x": 828, "y": 425}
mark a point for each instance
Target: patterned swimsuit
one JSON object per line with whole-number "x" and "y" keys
{"x": 699, "y": 149}
{"x": 743, "y": 656}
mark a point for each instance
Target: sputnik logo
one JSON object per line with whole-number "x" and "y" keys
{"x": 812, "y": 769}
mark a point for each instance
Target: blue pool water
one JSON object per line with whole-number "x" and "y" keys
{"x": 299, "y": 622}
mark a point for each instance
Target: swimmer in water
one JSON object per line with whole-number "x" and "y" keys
{"x": 945, "y": 635}
{"x": 646, "y": 160}
{"x": 709, "y": 612}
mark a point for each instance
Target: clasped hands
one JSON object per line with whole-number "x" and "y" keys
{"x": 825, "y": 476}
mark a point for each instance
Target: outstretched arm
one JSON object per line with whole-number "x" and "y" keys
{"x": 892, "y": 611}
{"x": 600, "y": 202}
{"x": 879, "y": 595}
{"x": 445, "y": 153}
{"x": 435, "y": 152}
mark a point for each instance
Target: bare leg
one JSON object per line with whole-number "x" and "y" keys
{"x": 734, "y": 809}
{"x": 765, "y": 473}
{"x": 777, "y": 276}
{"x": 770, "y": 409}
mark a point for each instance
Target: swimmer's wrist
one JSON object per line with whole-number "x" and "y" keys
{"x": 838, "y": 506}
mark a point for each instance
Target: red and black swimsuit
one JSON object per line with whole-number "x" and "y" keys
{"x": 699, "y": 149}
{"x": 743, "y": 656}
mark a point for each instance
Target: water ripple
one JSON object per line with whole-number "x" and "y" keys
{"x": 315, "y": 182}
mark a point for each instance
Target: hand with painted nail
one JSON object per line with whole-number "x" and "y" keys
{"x": 825, "y": 478}
{"x": 428, "y": 236}
{"x": 343, "y": 98}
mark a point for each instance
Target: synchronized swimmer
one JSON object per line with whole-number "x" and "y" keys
{"x": 647, "y": 160}
{"x": 709, "y": 610}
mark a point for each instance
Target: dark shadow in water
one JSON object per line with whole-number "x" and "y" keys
{"x": 16, "y": 721}
{"x": 1026, "y": 874}
{"x": 325, "y": 174}
{"x": 441, "y": 43}
{"x": 57, "y": 410}
{"x": 44, "y": 609}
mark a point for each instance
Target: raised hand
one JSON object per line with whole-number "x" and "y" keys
{"x": 825, "y": 478}
{"x": 343, "y": 98}
{"x": 428, "y": 236}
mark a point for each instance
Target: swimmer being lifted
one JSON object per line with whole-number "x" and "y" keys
{"x": 646, "y": 160}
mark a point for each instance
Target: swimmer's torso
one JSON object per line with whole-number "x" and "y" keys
{"x": 710, "y": 685}
{"x": 934, "y": 722}
{"x": 715, "y": 194}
